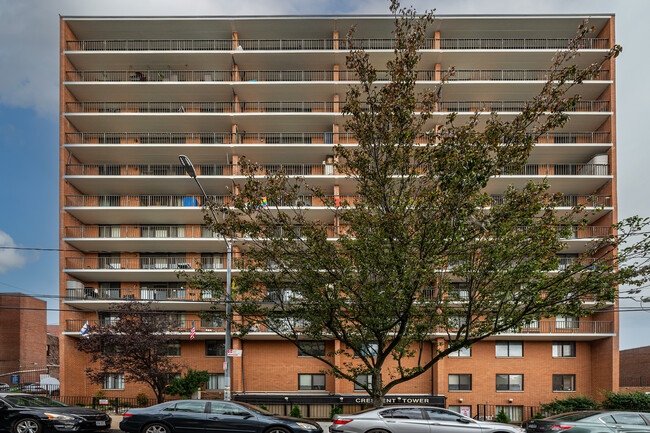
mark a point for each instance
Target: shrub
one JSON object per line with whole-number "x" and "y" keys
{"x": 638, "y": 401}
{"x": 100, "y": 394}
{"x": 142, "y": 400}
{"x": 188, "y": 385}
{"x": 571, "y": 404}
{"x": 502, "y": 417}
{"x": 263, "y": 407}
{"x": 335, "y": 411}
{"x": 295, "y": 411}
{"x": 538, "y": 415}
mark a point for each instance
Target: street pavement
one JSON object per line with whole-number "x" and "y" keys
{"x": 115, "y": 424}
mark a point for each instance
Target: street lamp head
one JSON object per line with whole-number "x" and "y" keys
{"x": 187, "y": 165}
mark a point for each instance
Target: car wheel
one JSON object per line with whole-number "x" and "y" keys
{"x": 377, "y": 431}
{"x": 277, "y": 430}
{"x": 156, "y": 428}
{"x": 27, "y": 425}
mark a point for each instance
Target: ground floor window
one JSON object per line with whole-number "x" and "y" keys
{"x": 216, "y": 381}
{"x": 463, "y": 410}
{"x": 311, "y": 381}
{"x": 114, "y": 381}
{"x": 564, "y": 382}
{"x": 515, "y": 413}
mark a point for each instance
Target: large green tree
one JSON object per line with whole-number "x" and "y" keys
{"x": 377, "y": 275}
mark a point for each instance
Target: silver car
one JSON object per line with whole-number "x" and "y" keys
{"x": 415, "y": 419}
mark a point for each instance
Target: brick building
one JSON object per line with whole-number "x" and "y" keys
{"x": 137, "y": 92}
{"x": 22, "y": 337}
{"x": 635, "y": 369}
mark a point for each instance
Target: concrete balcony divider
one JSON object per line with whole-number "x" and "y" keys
{"x": 327, "y": 44}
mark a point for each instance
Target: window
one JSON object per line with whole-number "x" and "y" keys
{"x": 215, "y": 348}
{"x": 216, "y": 381}
{"x": 172, "y": 348}
{"x": 564, "y": 349}
{"x": 460, "y": 382}
{"x": 629, "y": 419}
{"x": 463, "y": 410}
{"x": 510, "y": 382}
{"x": 188, "y": 406}
{"x": 211, "y": 321}
{"x": 564, "y": 382}
{"x": 403, "y": 413}
{"x": 311, "y": 348}
{"x": 465, "y": 352}
{"x": 509, "y": 349}
{"x": 114, "y": 381}
{"x": 108, "y": 290}
{"x": 365, "y": 379}
{"x": 567, "y": 322}
{"x": 460, "y": 290}
{"x": 311, "y": 381}
{"x": 109, "y": 231}
{"x": 441, "y": 414}
{"x": 368, "y": 350}
{"x": 224, "y": 408}
{"x": 515, "y": 413}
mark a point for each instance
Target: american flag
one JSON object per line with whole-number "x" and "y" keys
{"x": 192, "y": 331}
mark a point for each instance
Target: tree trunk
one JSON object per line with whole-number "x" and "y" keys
{"x": 377, "y": 392}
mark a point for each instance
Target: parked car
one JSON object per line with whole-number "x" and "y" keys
{"x": 414, "y": 419}
{"x": 4, "y": 387}
{"x": 592, "y": 422}
{"x": 191, "y": 416}
{"x": 27, "y": 413}
{"x": 32, "y": 388}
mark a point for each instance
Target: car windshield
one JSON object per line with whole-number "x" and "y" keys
{"x": 34, "y": 401}
{"x": 574, "y": 416}
{"x": 255, "y": 409}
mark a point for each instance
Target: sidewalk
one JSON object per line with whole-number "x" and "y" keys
{"x": 115, "y": 424}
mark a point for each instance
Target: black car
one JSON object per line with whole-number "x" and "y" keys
{"x": 211, "y": 416}
{"x": 28, "y": 413}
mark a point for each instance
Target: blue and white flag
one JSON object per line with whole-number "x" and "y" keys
{"x": 84, "y": 329}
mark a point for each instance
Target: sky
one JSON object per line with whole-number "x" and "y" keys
{"x": 29, "y": 47}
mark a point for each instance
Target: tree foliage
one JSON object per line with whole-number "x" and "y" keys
{"x": 135, "y": 343}
{"x": 412, "y": 218}
{"x": 570, "y": 404}
{"x": 189, "y": 384}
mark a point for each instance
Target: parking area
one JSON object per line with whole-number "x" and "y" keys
{"x": 117, "y": 418}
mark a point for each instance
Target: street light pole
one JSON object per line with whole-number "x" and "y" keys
{"x": 189, "y": 169}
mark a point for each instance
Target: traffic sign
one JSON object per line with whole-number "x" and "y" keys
{"x": 234, "y": 353}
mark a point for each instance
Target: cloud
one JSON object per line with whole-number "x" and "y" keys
{"x": 9, "y": 259}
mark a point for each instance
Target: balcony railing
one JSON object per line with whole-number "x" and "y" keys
{"x": 145, "y": 294}
{"x": 569, "y": 200}
{"x": 557, "y": 170}
{"x": 75, "y": 325}
{"x": 298, "y": 107}
{"x": 326, "y": 44}
{"x": 305, "y": 75}
{"x": 148, "y": 263}
{"x": 305, "y": 170}
{"x": 278, "y": 138}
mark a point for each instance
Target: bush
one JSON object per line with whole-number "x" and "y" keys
{"x": 188, "y": 385}
{"x": 100, "y": 394}
{"x": 335, "y": 411}
{"x": 295, "y": 412}
{"x": 638, "y": 401}
{"x": 571, "y": 404}
{"x": 263, "y": 407}
{"x": 142, "y": 400}
{"x": 502, "y": 417}
{"x": 539, "y": 415}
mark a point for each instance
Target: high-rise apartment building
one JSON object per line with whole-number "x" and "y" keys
{"x": 138, "y": 91}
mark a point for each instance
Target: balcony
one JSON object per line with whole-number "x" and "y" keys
{"x": 166, "y": 299}
{"x": 326, "y": 44}
{"x": 582, "y": 330}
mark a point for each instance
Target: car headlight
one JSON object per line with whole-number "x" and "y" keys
{"x": 307, "y": 426}
{"x": 59, "y": 417}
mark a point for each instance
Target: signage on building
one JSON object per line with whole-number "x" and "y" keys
{"x": 15, "y": 379}
{"x": 103, "y": 401}
{"x": 234, "y": 353}
{"x": 400, "y": 399}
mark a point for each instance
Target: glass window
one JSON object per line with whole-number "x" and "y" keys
{"x": 628, "y": 418}
{"x": 509, "y": 349}
{"x": 564, "y": 349}
{"x": 441, "y": 414}
{"x": 215, "y": 348}
{"x": 311, "y": 348}
{"x": 190, "y": 406}
{"x": 311, "y": 381}
{"x": 216, "y": 381}
{"x": 608, "y": 419}
{"x": 465, "y": 352}
{"x": 365, "y": 379}
{"x": 460, "y": 382}
{"x": 114, "y": 381}
{"x": 463, "y": 410}
{"x": 223, "y": 408}
{"x": 510, "y": 382}
{"x": 564, "y": 382}
{"x": 370, "y": 349}
{"x": 174, "y": 348}
{"x": 515, "y": 413}
{"x": 567, "y": 322}
{"x": 403, "y": 413}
